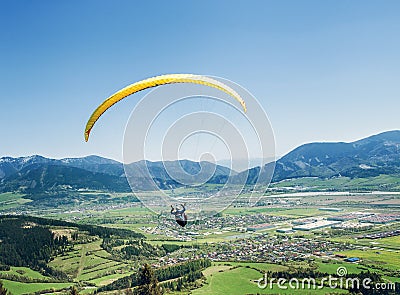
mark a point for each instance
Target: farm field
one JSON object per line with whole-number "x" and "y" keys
{"x": 90, "y": 263}
{"x": 18, "y": 288}
{"x": 23, "y": 272}
{"x": 256, "y": 265}
{"x": 331, "y": 268}
{"x": 392, "y": 242}
{"x": 377, "y": 258}
{"x": 12, "y": 200}
{"x": 389, "y": 243}
{"x": 241, "y": 280}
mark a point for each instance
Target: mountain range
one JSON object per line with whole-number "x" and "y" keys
{"x": 371, "y": 156}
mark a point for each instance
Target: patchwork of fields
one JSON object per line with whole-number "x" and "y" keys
{"x": 89, "y": 266}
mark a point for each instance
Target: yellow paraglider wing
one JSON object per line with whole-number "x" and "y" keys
{"x": 153, "y": 82}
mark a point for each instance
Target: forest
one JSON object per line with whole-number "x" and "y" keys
{"x": 189, "y": 271}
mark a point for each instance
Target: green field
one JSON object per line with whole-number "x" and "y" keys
{"x": 5, "y": 197}
{"x": 17, "y": 288}
{"x": 257, "y": 265}
{"x": 12, "y": 200}
{"x": 24, "y": 272}
{"x": 299, "y": 212}
{"x": 235, "y": 281}
{"x": 377, "y": 258}
{"x": 90, "y": 263}
{"x": 241, "y": 280}
{"x": 390, "y": 242}
{"x": 331, "y": 268}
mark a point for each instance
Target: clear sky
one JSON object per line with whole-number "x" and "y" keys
{"x": 323, "y": 70}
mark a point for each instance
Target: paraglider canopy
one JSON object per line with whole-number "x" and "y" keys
{"x": 157, "y": 81}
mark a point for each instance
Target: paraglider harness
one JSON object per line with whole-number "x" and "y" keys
{"x": 180, "y": 216}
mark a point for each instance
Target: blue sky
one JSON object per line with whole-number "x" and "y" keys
{"x": 323, "y": 70}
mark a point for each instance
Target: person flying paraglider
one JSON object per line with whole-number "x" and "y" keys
{"x": 156, "y": 81}
{"x": 180, "y": 215}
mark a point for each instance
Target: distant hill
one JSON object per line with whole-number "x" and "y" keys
{"x": 48, "y": 177}
{"x": 368, "y": 157}
{"x": 36, "y": 174}
{"x": 371, "y": 156}
{"x": 96, "y": 164}
{"x": 9, "y": 165}
{"x": 170, "y": 174}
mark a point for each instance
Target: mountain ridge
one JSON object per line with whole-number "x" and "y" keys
{"x": 370, "y": 156}
{"x": 378, "y": 153}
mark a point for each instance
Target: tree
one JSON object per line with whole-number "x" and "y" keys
{"x": 147, "y": 281}
{"x": 3, "y": 291}
{"x": 74, "y": 291}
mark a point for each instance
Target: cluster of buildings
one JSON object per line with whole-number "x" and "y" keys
{"x": 261, "y": 226}
{"x": 381, "y": 235}
{"x": 166, "y": 261}
{"x": 316, "y": 224}
{"x": 238, "y": 222}
{"x": 350, "y": 216}
{"x": 353, "y": 225}
{"x": 351, "y": 220}
{"x": 368, "y": 217}
{"x": 264, "y": 248}
{"x": 382, "y": 218}
{"x": 168, "y": 230}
